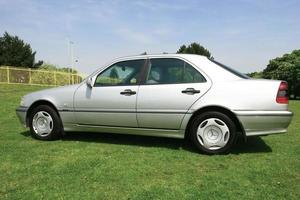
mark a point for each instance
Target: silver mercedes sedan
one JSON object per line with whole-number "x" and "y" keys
{"x": 169, "y": 95}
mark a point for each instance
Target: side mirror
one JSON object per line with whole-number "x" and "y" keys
{"x": 89, "y": 82}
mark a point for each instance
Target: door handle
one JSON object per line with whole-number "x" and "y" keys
{"x": 190, "y": 91}
{"x": 128, "y": 92}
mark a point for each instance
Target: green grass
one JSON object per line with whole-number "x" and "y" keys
{"x": 110, "y": 166}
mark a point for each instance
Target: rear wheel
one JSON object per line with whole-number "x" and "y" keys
{"x": 213, "y": 132}
{"x": 45, "y": 123}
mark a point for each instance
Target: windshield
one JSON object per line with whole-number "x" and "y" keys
{"x": 233, "y": 71}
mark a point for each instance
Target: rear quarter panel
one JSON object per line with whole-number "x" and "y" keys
{"x": 243, "y": 94}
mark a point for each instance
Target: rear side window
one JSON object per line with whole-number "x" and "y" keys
{"x": 172, "y": 71}
{"x": 191, "y": 75}
{"x": 121, "y": 73}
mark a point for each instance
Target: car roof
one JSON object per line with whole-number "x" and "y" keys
{"x": 165, "y": 55}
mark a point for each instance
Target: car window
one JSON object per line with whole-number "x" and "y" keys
{"x": 172, "y": 71}
{"x": 191, "y": 75}
{"x": 121, "y": 73}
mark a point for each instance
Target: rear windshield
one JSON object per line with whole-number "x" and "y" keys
{"x": 233, "y": 71}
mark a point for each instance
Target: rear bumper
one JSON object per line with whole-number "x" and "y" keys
{"x": 21, "y": 113}
{"x": 264, "y": 122}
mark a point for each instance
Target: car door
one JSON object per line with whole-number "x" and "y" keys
{"x": 112, "y": 99}
{"x": 170, "y": 88}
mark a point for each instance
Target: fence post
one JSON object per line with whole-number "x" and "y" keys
{"x": 7, "y": 68}
{"x": 54, "y": 73}
{"x": 29, "y": 75}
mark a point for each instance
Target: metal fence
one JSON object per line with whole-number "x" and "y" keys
{"x": 37, "y": 77}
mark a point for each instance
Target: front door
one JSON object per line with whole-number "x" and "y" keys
{"x": 170, "y": 89}
{"x": 112, "y": 99}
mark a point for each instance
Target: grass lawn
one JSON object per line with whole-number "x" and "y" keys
{"x": 110, "y": 166}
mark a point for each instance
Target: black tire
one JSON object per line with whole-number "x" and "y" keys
{"x": 218, "y": 115}
{"x": 57, "y": 128}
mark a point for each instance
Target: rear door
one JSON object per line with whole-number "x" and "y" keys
{"x": 170, "y": 87}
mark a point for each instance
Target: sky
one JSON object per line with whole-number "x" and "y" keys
{"x": 243, "y": 34}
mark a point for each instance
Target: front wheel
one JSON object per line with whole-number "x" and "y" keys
{"x": 45, "y": 123}
{"x": 213, "y": 132}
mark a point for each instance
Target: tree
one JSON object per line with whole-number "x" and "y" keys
{"x": 286, "y": 68}
{"x": 256, "y": 74}
{"x": 194, "y": 48}
{"x": 15, "y": 52}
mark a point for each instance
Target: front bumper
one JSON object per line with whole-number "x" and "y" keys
{"x": 264, "y": 122}
{"x": 21, "y": 113}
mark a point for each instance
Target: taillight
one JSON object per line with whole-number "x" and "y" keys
{"x": 282, "y": 94}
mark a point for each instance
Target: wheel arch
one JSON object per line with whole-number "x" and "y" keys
{"x": 37, "y": 103}
{"x": 221, "y": 109}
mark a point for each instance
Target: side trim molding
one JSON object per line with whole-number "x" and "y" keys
{"x": 123, "y": 111}
{"x": 263, "y": 113}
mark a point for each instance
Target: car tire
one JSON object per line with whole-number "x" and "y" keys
{"x": 213, "y": 132}
{"x": 45, "y": 123}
